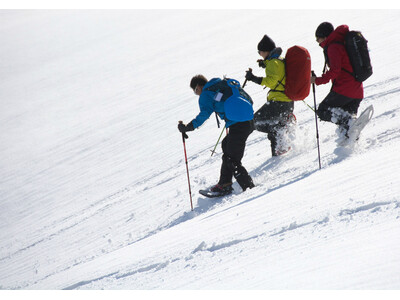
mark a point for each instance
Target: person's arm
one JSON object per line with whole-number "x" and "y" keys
{"x": 335, "y": 52}
{"x": 206, "y": 109}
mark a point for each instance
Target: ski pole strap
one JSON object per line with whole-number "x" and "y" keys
{"x": 218, "y": 123}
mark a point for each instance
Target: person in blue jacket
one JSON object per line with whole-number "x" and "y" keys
{"x": 234, "y": 106}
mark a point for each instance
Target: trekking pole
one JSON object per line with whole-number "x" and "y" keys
{"x": 309, "y": 106}
{"x": 213, "y": 151}
{"x": 316, "y": 121}
{"x": 184, "y": 136}
{"x": 244, "y": 84}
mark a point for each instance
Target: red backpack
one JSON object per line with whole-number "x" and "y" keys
{"x": 298, "y": 73}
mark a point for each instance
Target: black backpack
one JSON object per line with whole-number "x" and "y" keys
{"x": 357, "y": 50}
{"x": 225, "y": 90}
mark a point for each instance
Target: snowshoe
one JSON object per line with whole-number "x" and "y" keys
{"x": 217, "y": 191}
{"x": 353, "y": 134}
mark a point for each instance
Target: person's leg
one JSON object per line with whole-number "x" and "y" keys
{"x": 336, "y": 108}
{"x": 233, "y": 147}
{"x": 273, "y": 118}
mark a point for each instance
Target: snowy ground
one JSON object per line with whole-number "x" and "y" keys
{"x": 93, "y": 184}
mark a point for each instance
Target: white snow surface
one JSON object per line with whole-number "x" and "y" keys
{"x": 93, "y": 184}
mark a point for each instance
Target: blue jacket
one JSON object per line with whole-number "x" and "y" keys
{"x": 234, "y": 109}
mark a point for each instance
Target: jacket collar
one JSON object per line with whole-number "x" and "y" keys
{"x": 275, "y": 53}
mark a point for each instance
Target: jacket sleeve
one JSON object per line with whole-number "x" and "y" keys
{"x": 335, "y": 54}
{"x": 206, "y": 109}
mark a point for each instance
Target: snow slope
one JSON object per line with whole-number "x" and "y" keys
{"x": 93, "y": 182}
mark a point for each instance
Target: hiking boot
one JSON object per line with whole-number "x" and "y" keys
{"x": 281, "y": 152}
{"x": 221, "y": 189}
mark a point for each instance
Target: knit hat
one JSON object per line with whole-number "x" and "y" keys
{"x": 324, "y": 30}
{"x": 266, "y": 44}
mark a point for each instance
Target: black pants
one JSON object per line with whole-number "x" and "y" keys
{"x": 233, "y": 146}
{"x": 337, "y": 108}
{"x": 272, "y": 118}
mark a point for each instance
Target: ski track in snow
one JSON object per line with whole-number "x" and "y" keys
{"x": 345, "y": 215}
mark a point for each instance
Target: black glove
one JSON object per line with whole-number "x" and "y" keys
{"x": 261, "y": 63}
{"x": 250, "y": 76}
{"x": 185, "y": 128}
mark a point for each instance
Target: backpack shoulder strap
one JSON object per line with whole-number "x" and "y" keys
{"x": 280, "y": 81}
{"x": 327, "y": 58}
{"x": 222, "y": 89}
{"x": 222, "y": 92}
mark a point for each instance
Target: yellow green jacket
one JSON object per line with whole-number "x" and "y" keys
{"x": 275, "y": 73}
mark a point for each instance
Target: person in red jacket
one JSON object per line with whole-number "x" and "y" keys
{"x": 340, "y": 106}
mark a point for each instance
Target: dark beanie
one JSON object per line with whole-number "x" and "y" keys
{"x": 324, "y": 30}
{"x": 266, "y": 44}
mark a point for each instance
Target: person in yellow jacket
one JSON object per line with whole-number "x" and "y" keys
{"x": 277, "y": 113}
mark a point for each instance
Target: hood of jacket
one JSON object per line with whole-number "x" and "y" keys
{"x": 336, "y": 36}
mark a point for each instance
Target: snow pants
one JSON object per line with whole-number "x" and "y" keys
{"x": 338, "y": 109}
{"x": 272, "y": 118}
{"x": 233, "y": 146}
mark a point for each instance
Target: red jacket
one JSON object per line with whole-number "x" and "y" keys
{"x": 343, "y": 82}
